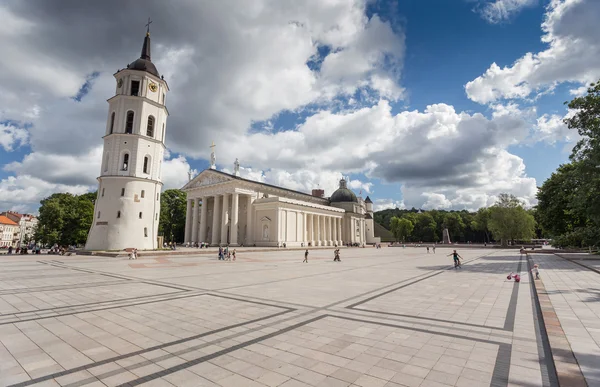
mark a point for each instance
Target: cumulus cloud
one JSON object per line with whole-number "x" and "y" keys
{"x": 384, "y": 204}
{"x": 23, "y": 193}
{"x": 497, "y": 11}
{"x": 573, "y": 55}
{"x": 231, "y": 66}
{"x": 12, "y": 136}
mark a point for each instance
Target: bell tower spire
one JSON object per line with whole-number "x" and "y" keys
{"x": 146, "y": 46}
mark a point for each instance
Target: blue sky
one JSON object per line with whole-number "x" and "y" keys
{"x": 425, "y": 103}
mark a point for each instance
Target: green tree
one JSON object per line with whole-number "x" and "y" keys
{"x": 455, "y": 225}
{"x": 65, "y": 219}
{"x": 481, "y": 222}
{"x": 509, "y": 221}
{"x": 172, "y": 215}
{"x": 401, "y": 228}
{"x": 425, "y": 228}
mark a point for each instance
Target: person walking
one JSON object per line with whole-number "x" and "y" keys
{"x": 427, "y": 249}
{"x": 456, "y": 258}
{"x": 220, "y": 253}
{"x": 233, "y": 254}
{"x": 433, "y": 247}
{"x": 305, "y": 256}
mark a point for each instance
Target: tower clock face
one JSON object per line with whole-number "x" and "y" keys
{"x": 153, "y": 86}
{"x": 119, "y": 83}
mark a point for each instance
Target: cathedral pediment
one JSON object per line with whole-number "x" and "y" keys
{"x": 205, "y": 179}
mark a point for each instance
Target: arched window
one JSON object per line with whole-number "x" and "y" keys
{"x": 125, "y": 162}
{"x": 118, "y": 214}
{"x": 98, "y": 214}
{"x": 112, "y": 122}
{"x": 150, "y": 128}
{"x": 129, "y": 122}
{"x": 163, "y": 133}
{"x": 102, "y": 192}
{"x": 147, "y": 164}
{"x": 143, "y": 193}
{"x": 146, "y": 232}
{"x": 140, "y": 215}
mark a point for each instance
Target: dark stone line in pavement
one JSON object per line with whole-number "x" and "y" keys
{"x": 549, "y": 378}
{"x": 146, "y": 350}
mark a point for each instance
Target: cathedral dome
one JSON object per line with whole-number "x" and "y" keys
{"x": 343, "y": 194}
{"x": 144, "y": 63}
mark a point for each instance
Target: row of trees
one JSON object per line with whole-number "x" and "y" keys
{"x": 505, "y": 221}
{"x": 66, "y": 219}
{"x": 569, "y": 201}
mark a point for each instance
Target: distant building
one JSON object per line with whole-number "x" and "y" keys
{"x": 27, "y": 224}
{"x": 9, "y": 232}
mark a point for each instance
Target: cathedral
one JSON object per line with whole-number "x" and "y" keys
{"x": 226, "y": 209}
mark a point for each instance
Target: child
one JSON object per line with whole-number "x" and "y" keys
{"x": 536, "y": 271}
{"x": 456, "y": 258}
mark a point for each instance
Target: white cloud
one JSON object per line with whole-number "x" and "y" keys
{"x": 573, "y": 55}
{"x": 175, "y": 172}
{"x": 384, "y": 204}
{"x": 25, "y": 192}
{"x": 12, "y": 137}
{"x": 497, "y": 11}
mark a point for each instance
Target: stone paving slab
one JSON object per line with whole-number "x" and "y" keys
{"x": 381, "y": 317}
{"x": 569, "y": 295}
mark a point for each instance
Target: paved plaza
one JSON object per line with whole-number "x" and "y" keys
{"x": 381, "y": 317}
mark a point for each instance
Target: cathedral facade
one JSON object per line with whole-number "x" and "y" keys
{"x": 226, "y": 209}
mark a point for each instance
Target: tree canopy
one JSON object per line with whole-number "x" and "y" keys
{"x": 172, "y": 215}
{"x": 401, "y": 228}
{"x": 509, "y": 221}
{"x": 65, "y": 218}
{"x": 569, "y": 201}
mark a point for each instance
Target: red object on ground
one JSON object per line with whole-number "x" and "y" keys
{"x": 517, "y": 278}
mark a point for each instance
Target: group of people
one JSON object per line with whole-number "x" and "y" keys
{"x": 225, "y": 254}
{"x": 133, "y": 254}
{"x": 336, "y": 256}
{"x": 433, "y": 248}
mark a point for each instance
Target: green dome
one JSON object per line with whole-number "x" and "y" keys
{"x": 343, "y": 194}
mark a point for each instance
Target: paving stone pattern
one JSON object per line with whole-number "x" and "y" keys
{"x": 389, "y": 317}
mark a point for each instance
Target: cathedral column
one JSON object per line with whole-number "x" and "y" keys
{"x": 249, "y": 228}
{"x": 203, "y": 209}
{"x": 334, "y": 226}
{"x": 330, "y": 230}
{"x": 327, "y": 231}
{"x": 188, "y": 221}
{"x": 339, "y": 227}
{"x": 318, "y": 233}
{"x": 224, "y": 219}
{"x": 304, "y": 217}
{"x": 216, "y": 220}
{"x": 309, "y": 229}
{"x": 324, "y": 231}
{"x": 195, "y": 222}
{"x": 234, "y": 218}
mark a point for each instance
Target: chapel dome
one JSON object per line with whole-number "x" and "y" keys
{"x": 343, "y": 194}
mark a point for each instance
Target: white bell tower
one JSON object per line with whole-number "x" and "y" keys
{"x": 127, "y": 208}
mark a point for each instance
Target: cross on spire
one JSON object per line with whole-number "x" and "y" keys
{"x": 213, "y": 146}
{"x": 148, "y": 26}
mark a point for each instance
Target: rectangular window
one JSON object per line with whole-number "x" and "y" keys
{"x": 143, "y": 192}
{"x": 156, "y": 216}
{"x": 98, "y": 214}
{"x": 135, "y": 87}
{"x": 122, "y": 191}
